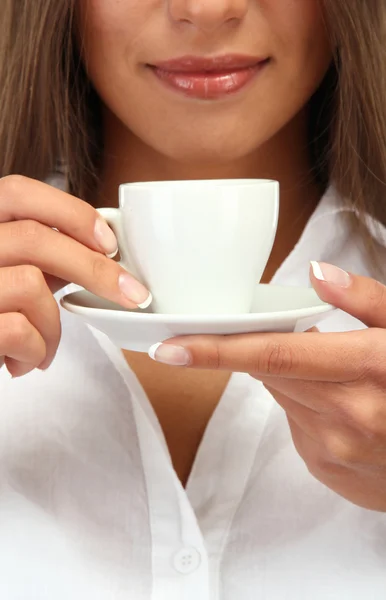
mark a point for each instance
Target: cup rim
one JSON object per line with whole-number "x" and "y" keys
{"x": 225, "y": 183}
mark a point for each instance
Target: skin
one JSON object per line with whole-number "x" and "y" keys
{"x": 332, "y": 386}
{"x": 154, "y": 134}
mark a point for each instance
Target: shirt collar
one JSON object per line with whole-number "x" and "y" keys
{"x": 325, "y": 238}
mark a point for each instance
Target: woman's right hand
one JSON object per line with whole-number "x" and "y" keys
{"x": 36, "y": 261}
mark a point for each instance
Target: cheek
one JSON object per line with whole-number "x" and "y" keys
{"x": 109, "y": 29}
{"x": 98, "y": 24}
{"x": 301, "y": 42}
{"x": 105, "y": 17}
{"x": 297, "y": 26}
{"x": 109, "y": 32}
{"x": 97, "y": 17}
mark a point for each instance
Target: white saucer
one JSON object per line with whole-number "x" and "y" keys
{"x": 275, "y": 308}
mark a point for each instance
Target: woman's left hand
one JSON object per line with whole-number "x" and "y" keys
{"x": 332, "y": 386}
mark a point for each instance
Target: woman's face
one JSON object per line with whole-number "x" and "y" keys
{"x": 195, "y": 111}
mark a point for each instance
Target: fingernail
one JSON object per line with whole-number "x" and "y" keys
{"x": 134, "y": 291}
{"x": 330, "y": 274}
{"x": 170, "y": 355}
{"x": 105, "y": 238}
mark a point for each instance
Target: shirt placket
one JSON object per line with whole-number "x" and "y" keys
{"x": 223, "y": 465}
{"x": 179, "y": 556}
{"x": 180, "y": 568}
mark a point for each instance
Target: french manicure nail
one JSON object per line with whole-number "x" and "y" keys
{"x": 105, "y": 238}
{"x": 330, "y": 274}
{"x": 134, "y": 290}
{"x": 169, "y": 354}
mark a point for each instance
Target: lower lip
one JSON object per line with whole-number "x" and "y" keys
{"x": 209, "y": 85}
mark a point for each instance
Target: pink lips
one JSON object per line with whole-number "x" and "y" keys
{"x": 209, "y": 78}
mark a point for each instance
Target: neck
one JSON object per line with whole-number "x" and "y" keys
{"x": 285, "y": 158}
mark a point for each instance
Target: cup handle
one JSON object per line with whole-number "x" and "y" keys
{"x": 113, "y": 218}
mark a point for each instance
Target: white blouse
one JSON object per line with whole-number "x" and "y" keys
{"x": 91, "y": 507}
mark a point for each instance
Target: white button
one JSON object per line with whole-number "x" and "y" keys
{"x": 186, "y": 560}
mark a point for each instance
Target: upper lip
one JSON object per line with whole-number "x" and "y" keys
{"x": 194, "y": 64}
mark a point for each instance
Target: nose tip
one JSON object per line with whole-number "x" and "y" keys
{"x": 207, "y": 15}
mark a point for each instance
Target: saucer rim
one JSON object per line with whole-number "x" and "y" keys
{"x": 176, "y": 318}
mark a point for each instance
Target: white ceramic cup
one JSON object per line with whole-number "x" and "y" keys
{"x": 199, "y": 246}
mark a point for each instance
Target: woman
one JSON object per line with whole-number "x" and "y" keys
{"x": 99, "y": 497}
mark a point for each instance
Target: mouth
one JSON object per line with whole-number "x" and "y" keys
{"x": 208, "y": 78}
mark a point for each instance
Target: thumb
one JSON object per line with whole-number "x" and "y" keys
{"x": 362, "y": 297}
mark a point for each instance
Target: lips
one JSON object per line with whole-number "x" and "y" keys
{"x": 208, "y": 78}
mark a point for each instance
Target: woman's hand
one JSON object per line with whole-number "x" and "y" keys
{"x": 332, "y": 386}
{"x": 36, "y": 261}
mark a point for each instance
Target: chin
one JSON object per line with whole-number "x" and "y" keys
{"x": 207, "y": 157}
{"x": 211, "y": 152}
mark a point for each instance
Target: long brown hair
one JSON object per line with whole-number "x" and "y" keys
{"x": 49, "y": 110}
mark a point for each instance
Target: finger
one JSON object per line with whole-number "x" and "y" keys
{"x": 317, "y": 458}
{"x": 305, "y": 418}
{"x": 335, "y": 357}
{"x": 54, "y": 283}
{"x": 24, "y": 290}
{"x": 324, "y": 426}
{"x": 30, "y": 242}
{"x": 308, "y": 448}
{"x": 348, "y": 436}
{"x": 362, "y": 297}
{"x": 330, "y": 461}
{"x": 20, "y": 343}
{"x": 22, "y": 198}
{"x": 321, "y": 422}
{"x": 321, "y": 397}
